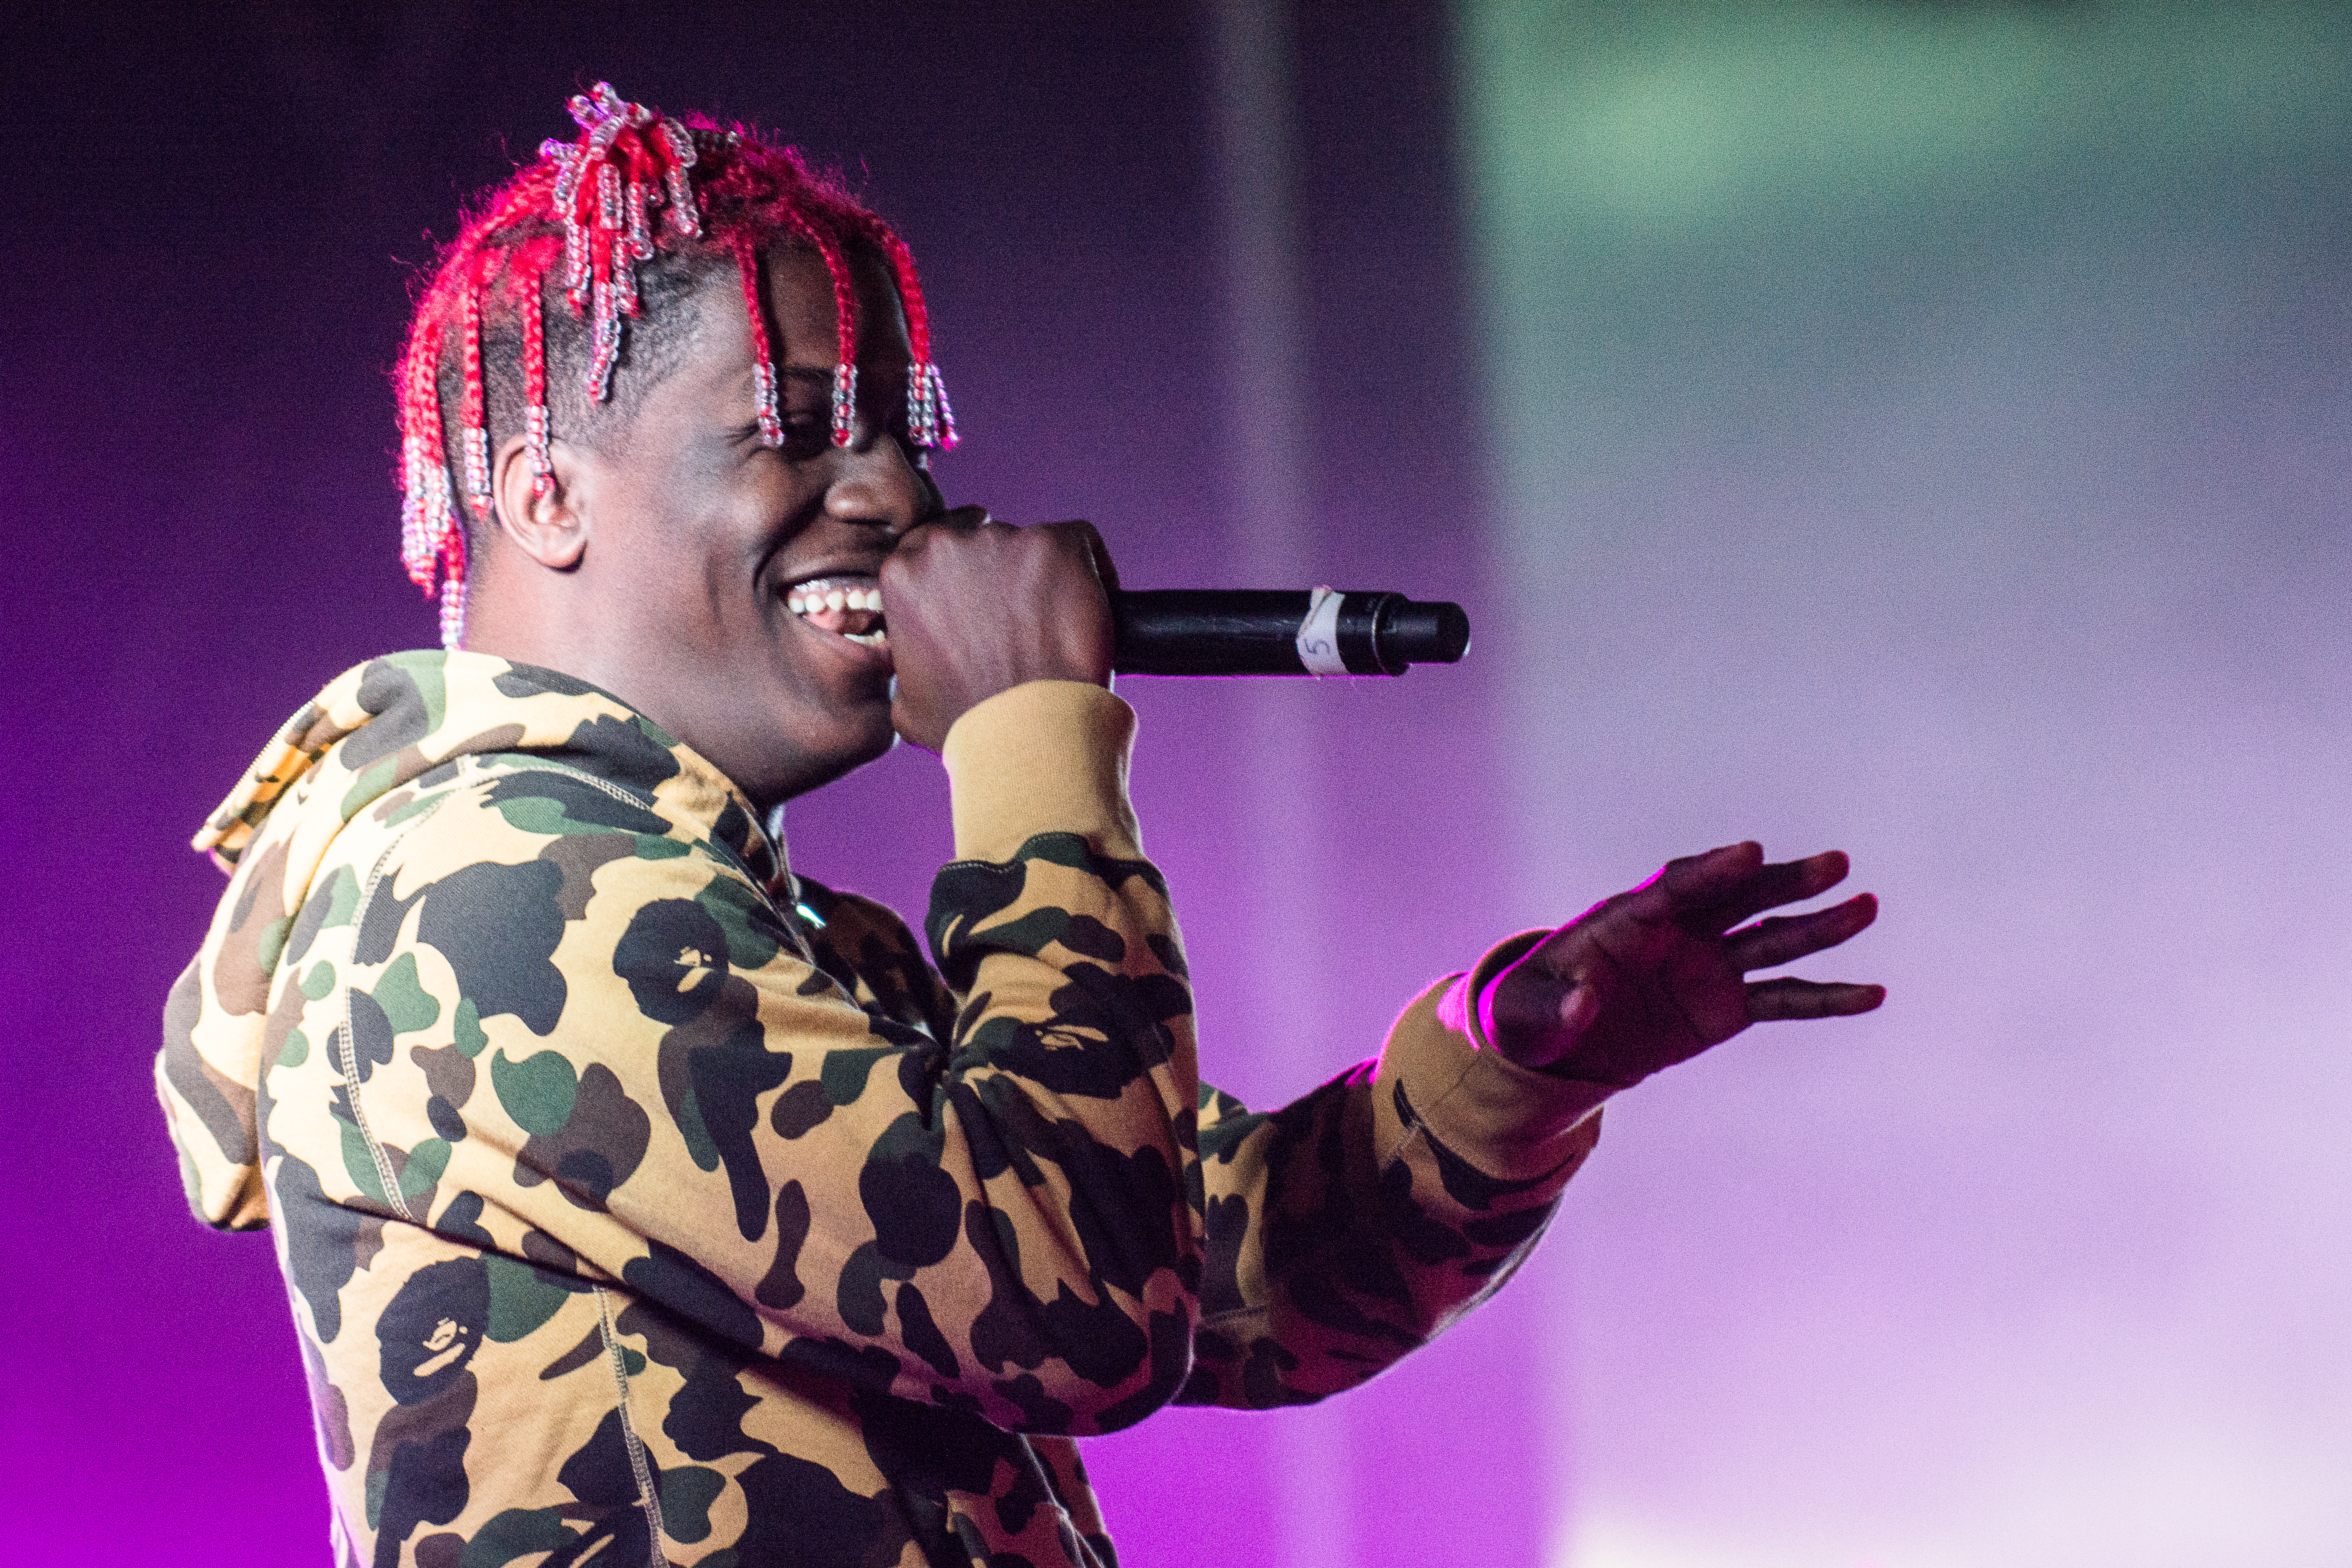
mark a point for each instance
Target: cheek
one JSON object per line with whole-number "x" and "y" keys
{"x": 719, "y": 553}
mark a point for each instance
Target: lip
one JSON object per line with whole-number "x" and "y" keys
{"x": 858, "y": 654}
{"x": 868, "y": 569}
{"x": 840, "y": 646}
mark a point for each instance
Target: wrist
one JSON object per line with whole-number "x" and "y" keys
{"x": 1526, "y": 1018}
{"x": 1468, "y": 1002}
{"x": 1045, "y": 756}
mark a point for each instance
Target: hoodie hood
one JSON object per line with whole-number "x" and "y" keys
{"x": 381, "y": 735}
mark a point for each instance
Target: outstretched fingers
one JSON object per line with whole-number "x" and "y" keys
{"x": 1784, "y": 882}
{"x": 1694, "y": 880}
{"x": 1709, "y": 894}
{"x": 1687, "y": 889}
{"x": 1784, "y": 939}
{"x": 1772, "y": 1000}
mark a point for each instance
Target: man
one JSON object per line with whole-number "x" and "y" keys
{"x": 642, "y": 1201}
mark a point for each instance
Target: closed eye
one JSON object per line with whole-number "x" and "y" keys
{"x": 805, "y": 434}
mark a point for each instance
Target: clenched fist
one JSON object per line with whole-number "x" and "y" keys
{"x": 976, "y": 607}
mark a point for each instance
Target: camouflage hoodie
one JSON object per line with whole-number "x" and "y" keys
{"x": 639, "y": 1201}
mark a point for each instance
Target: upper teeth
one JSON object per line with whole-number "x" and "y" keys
{"x": 811, "y": 597}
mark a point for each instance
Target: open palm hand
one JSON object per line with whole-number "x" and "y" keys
{"x": 1655, "y": 976}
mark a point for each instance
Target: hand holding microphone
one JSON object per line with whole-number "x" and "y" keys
{"x": 975, "y": 607}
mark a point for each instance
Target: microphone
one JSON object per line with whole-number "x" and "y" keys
{"x": 1249, "y": 631}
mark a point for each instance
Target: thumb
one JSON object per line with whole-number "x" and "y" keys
{"x": 1533, "y": 1013}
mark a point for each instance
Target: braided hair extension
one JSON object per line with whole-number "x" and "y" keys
{"x": 567, "y": 254}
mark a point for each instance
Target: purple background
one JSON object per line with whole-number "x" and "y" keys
{"x": 1916, "y": 427}
{"x": 211, "y": 231}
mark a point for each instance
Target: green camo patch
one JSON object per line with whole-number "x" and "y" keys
{"x": 686, "y": 1494}
{"x": 522, "y": 1299}
{"x": 537, "y": 1091}
{"x": 405, "y": 1005}
{"x": 358, "y": 1164}
{"x": 425, "y": 1162}
{"x": 517, "y": 1533}
{"x": 468, "y": 1023}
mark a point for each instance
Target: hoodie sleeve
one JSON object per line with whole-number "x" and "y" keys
{"x": 1351, "y": 1226}
{"x": 1344, "y": 1229}
{"x": 1355, "y": 1224}
{"x": 551, "y": 1027}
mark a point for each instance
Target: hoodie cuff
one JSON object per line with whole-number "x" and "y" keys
{"x": 1047, "y": 756}
{"x": 1512, "y": 1122}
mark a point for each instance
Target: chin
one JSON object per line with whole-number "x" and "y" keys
{"x": 856, "y": 747}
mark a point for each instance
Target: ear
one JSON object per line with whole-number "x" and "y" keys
{"x": 548, "y": 524}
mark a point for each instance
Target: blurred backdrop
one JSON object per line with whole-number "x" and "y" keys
{"x": 1921, "y": 428}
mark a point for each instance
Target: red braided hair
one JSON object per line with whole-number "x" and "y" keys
{"x": 587, "y": 207}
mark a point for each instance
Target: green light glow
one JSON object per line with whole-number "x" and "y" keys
{"x": 1652, "y": 119}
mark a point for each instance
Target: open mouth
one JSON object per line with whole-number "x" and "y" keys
{"x": 848, "y": 606}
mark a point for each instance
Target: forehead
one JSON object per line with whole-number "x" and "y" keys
{"x": 802, "y": 316}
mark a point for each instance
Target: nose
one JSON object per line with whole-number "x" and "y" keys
{"x": 876, "y": 483}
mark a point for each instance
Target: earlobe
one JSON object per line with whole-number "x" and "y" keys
{"x": 544, "y": 520}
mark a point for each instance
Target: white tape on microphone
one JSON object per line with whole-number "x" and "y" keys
{"x": 1318, "y": 634}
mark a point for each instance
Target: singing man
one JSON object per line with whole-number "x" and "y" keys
{"x": 642, "y": 1200}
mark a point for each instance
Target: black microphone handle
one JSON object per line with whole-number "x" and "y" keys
{"x": 1251, "y": 631}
